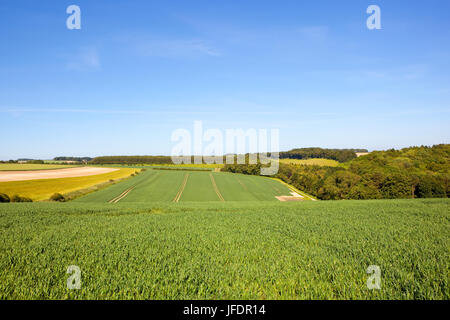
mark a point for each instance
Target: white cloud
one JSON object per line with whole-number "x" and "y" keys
{"x": 315, "y": 33}
{"x": 177, "y": 48}
{"x": 86, "y": 59}
{"x": 148, "y": 45}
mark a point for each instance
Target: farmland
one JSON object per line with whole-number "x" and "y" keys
{"x": 6, "y": 176}
{"x": 42, "y": 189}
{"x": 181, "y": 233}
{"x": 226, "y": 250}
{"x": 170, "y": 185}
{"x": 32, "y": 166}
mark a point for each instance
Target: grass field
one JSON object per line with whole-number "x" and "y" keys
{"x": 31, "y": 166}
{"x": 165, "y": 185}
{"x": 316, "y": 162}
{"x": 226, "y": 250}
{"x": 43, "y": 189}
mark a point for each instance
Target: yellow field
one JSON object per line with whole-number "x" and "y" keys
{"x": 31, "y": 166}
{"x": 311, "y": 162}
{"x": 43, "y": 189}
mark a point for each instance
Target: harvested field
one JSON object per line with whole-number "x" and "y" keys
{"x": 42, "y": 189}
{"x": 32, "y": 166}
{"x": 360, "y": 154}
{"x": 52, "y": 174}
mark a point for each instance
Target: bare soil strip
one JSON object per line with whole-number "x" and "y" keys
{"x": 293, "y": 189}
{"x": 215, "y": 187}
{"x": 180, "y": 191}
{"x": 126, "y": 192}
{"x": 295, "y": 197}
{"x": 360, "y": 154}
{"x": 52, "y": 174}
{"x": 121, "y": 196}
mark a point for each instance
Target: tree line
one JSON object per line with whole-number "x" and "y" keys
{"x": 416, "y": 172}
{"x": 130, "y": 160}
{"x": 78, "y": 159}
{"x": 340, "y": 155}
{"x": 24, "y": 160}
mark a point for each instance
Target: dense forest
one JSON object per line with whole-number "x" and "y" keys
{"x": 416, "y": 172}
{"x": 340, "y": 155}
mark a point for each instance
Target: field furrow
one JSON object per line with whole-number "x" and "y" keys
{"x": 215, "y": 188}
{"x": 180, "y": 191}
{"x": 123, "y": 195}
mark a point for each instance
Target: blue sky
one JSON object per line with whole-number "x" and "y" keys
{"x": 138, "y": 70}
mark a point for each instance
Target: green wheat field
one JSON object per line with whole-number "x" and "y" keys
{"x": 165, "y": 185}
{"x": 212, "y": 235}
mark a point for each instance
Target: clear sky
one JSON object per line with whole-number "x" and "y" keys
{"x": 138, "y": 70}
